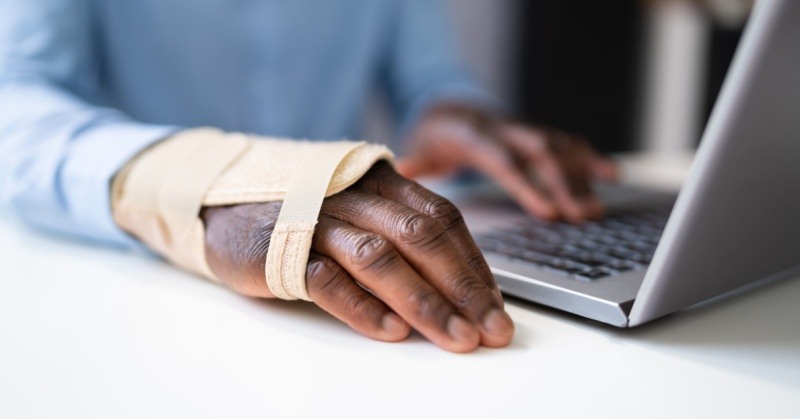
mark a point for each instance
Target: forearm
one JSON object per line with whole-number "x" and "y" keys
{"x": 58, "y": 155}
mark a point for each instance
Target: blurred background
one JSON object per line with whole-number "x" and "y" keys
{"x": 628, "y": 74}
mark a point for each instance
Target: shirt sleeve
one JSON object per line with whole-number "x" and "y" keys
{"x": 58, "y": 148}
{"x": 424, "y": 66}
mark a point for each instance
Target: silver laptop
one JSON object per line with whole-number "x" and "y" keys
{"x": 736, "y": 220}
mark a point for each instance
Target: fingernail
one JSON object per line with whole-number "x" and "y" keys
{"x": 498, "y": 322}
{"x": 393, "y": 324}
{"x": 460, "y": 330}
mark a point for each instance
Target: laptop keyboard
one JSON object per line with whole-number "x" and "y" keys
{"x": 623, "y": 241}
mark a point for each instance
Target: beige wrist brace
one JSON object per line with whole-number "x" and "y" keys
{"x": 158, "y": 196}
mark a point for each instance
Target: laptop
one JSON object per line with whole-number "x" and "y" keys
{"x": 735, "y": 221}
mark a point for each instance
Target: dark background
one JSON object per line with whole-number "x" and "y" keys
{"x": 579, "y": 67}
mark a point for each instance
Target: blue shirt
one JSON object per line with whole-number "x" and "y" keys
{"x": 86, "y": 84}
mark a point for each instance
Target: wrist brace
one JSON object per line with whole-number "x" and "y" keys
{"x": 158, "y": 196}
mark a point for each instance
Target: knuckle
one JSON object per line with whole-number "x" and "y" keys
{"x": 358, "y": 304}
{"x": 324, "y": 276}
{"x": 466, "y": 291}
{"x": 477, "y": 262}
{"x": 445, "y": 212}
{"x": 378, "y": 176}
{"x": 427, "y": 302}
{"x": 339, "y": 203}
{"x": 502, "y": 157}
{"x": 254, "y": 250}
{"x": 371, "y": 251}
{"x": 255, "y": 225}
{"x": 419, "y": 229}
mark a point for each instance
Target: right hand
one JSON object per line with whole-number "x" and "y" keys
{"x": 547, "y": 171}
{"x": 387, "y": 255}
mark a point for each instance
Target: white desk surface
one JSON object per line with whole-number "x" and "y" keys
{"x": 88, "y": 332}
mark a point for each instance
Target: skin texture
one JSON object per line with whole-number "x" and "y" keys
{"x": 388, "y": 255}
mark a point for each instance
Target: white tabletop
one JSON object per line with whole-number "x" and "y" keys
{"x": 91, "y": 332}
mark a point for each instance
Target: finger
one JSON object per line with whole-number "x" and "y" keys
{"x": 582, "y": 163}
{"x": 423, "y": 243}
{"x": 392, "y": 186}
{"x": 335, "y": 291}
{"x": 415, "y": 166}
{"x": 496, "y": 162}
{"x": 582, "y": 175}
{"x": 597, "y": 166}
{"x": 376, "y": 265}
{"x": 574, "y": 157}
{"x": 420, "y": 166}
{"x": 604, "y": 169}
{"x": 593, "y": 207}
{"x": 533, "y": 148}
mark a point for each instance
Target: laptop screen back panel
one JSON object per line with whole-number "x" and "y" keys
{"x": 737, "y": 219}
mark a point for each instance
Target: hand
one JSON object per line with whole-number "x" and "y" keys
{"x": 546, "y": 171}
{"x": 387, "y": 255}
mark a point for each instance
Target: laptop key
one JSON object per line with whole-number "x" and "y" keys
{"x": 622, "y": 266}
{"x": 625, "y": 240}
{"x": 624, "y": 253}
{"x": 592, "y": 274}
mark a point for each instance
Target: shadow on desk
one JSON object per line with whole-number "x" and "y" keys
{"x": 311, "y": 321}
{"x": 761, "y": 325}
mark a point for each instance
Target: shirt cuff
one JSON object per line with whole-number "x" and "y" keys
{"x": 100, "y": 154}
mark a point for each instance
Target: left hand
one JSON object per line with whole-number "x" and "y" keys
{"x": 546, "y": 171}
{"x": 387, "y": 255}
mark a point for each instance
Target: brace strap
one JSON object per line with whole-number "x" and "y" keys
{"x": 291, "y": 239}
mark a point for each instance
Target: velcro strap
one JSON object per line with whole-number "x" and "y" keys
{"x": 290, "y": 244}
